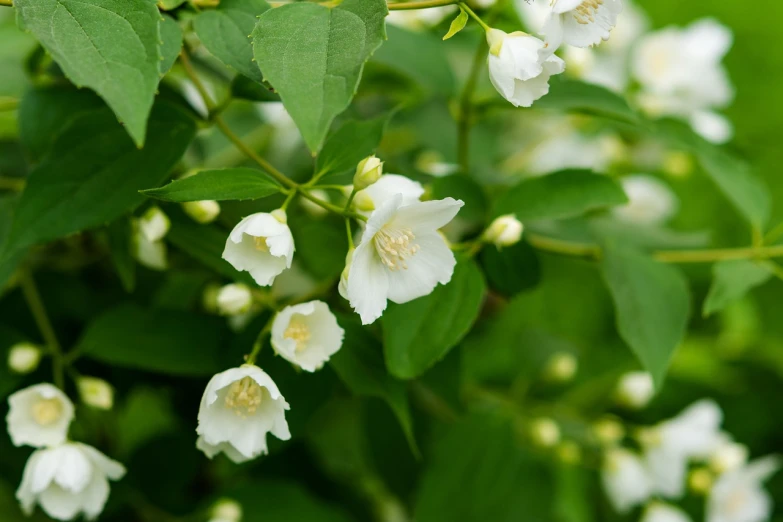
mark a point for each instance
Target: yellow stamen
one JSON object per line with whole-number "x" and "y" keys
{"x": 585, "y": 13}
{"x": 47, "y": 411}
{"x": 298, "y": 331}
{"x": 261, "y": 245}
{"x": 395, "y": 247}
{"x": 244, "y": 397}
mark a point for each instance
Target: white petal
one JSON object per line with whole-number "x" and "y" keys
{"x": 381, "y": 216}
{"x": 368, "y": 282}
{"x": 432, "y": 264}
{"x": 426, "y": 217}
{"x": 525, "y": 51}
{"x": 660, "y": 512}
{"x": 561, "y": 6}
{"x": 668, "y": 470}
{"x": 46, "y": 469}
{"x": 210, "y": 450}
{"x": 25, "y": 493}
{"x": 263, "y": 266}
{"x": 75, "y": 470}
{"x": 392, "y": 184}
{"x": 94, "y": 497}
{"x": 553, "y": 33}
{"x": 22, "y": 426}
{"x": 59, "y": 503}
{"x": 592, "y": 33}
{"x": 625, "y": 480}
{"x": 712, "y": 126}
{"x": 111, "y": 468}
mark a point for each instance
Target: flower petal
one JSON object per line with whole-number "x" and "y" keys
{"x": 426, "y": 217}
{"x": 432, "y": 264}
{"x": 368, "y": 282}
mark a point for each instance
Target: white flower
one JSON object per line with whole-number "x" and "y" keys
{"x": 203, "y": 212}
{"x": 68, "y": 480}
{"x": 401, "y": 256}
{"x": 368, "y": 172}
{"x": 261, "y": 244}
{"x": 306, "y": 334}
{"x": 371, "y": 198}
{"x": 39, "y": 416}
{"x": 625, "y": 479}
{"x": 154, "y": 224}
{"x": 680, "y": 73}
{"x": 660, "y": 512}
{"x": 635, "y": 389}
{"x": 234, "y": 299}
{"x": 728, "y": 456}
{"x": 504, "y": 231}
{"x": 96, "y": 392}
{"x": 563, "y": 146}
{"x": 517, "y": 69}
{"x": 239, "y": 407}
{"x": 650, "y": 201}
{"x": 738, "y": 495}
{"x": 580, "y": 23}
{"x": 24, "y": 358}
{"x": 693, "y": 434}
{"x": 226, "y": 510}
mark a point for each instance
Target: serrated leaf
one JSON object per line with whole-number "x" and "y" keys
{"x": 174, "y": 343}
{"x": 458, "y": 24}
{"x": 418, "y": 334}
{"x": 171, "y": 43}
{"x": 235, "y": 184}
{"x": 225, "y": 32}
{"x": 110, "y": 46}
{"x": 652, "y": 303}
{"x": 731, "y": 281}
{"x": 576, "y": 96}
{"x": 560, "y": 195}
{"x": 314, "y": 55}
{"x": 353, "y": 141}
{"x": 94, "y": 173}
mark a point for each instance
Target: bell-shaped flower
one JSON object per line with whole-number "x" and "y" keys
{"x": 738, "y": 495}
{"x": 581, "y": 23}
{"x": 625, "y": 479}
{"x": 262, "y": 245}
{"x": 371, "y": 198}
{"x": 517, "y": 67}
{"x": 693, "y": 434}
{"x": 306, "y": 335}
{"x": 39, "y": 416}
{"x": 401, "y": 256}
{"x": 650, "y": 201}
{"x": 660, "y": 512}
{"x": 239, "y": 407}
{"x": 68, "y": 480}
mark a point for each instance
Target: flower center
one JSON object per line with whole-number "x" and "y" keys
{"x": 298, "y": 331}
{"x": 244, "y": 397}
{"x": 260, "y": 243}
{"x": 47, "y": 411}
{"x": 585, "y": 13}
{"x": 395, "y": 247}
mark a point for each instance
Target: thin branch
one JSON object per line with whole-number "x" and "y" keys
{"x": 424, "y": 4}
{"x": 37, "y": 309}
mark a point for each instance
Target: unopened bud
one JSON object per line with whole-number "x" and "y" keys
{"x": 203, "y": 212}
{"x": 363, "y": 202}
{"x": 728, "y": 456}
{"x": 504, "y": 231}
{"x": 209, "y": 298}
{"x": 368, "y": 172}
{"x": 226, "y": 510}
{"x": 234, "y": 299}
{"x": 608, "y": 431}
{"x": 23, "y": 358}
{"x": 96, "y": 392}
{"x": 154, "y": 224}
{"x": 700, "y": 481}
{"x": 569, "y": 452}
{"x": 561, "y": 367}
{"x": 545, "y": 432}
{"x": 678, "y": 164}
{"x": 635, "y": 389}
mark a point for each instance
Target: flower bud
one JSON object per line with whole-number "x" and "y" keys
{"x": 608, "y": 431}
{"x": 96, "y": 392}
{"x": 226, "y": 510}
{"x": 700, "y": 481}
{"x": 635, "y": 389}
{"x": 363, "y": 202}
{"x": 23, "y": 358}
{"x": 234, "y": 299}
{"x": 569, "y": 452}
{"x": 203, "y": 212}
{"x": 504, "y": 231}
{"x": 561, "y": 367}
{"x": 728, "y": 456}
{"x": 368, "y": 172}
{"x": 154, "y": 224}
{"x": 545, "y": 432}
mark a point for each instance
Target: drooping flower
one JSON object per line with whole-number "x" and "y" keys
{"x": 504, "y": 231}
{"x": 669, "y": 446}
{"x": 738, "y": 495}
{"x": 39, "y": 416}
{"x": 517, "y": 68}
{"x": 635, "y": 389}
{"x": 96, "y": 392}
{"x": 580, "y": 23}
{"x": 401, "y": 256}
{"x": 239, "y": 407}
{"x": 660, "y": 512}
{"x": 262, "y": 245}
{"x": 625, "y": 479}
{"x": 234, "y": 299}
{"x": 371, "y": 198}
{"x": 307, "y": 335}
{"x": 650, "y": 201}
{"x": 23, "y": 358}
{"x": 68, "y": 480}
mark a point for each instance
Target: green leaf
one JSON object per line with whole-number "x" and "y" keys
{"x": 110, "y": 46}
{"x": 479, "y": 472}
{"x": 560, "y": 195}
{"x": 321, "y": 246}
{"x": 120, "y": 233}
{"x": 314, "y": 55}
{"x": 174, "y": 343}
{"x": 171, "y": 38}
{"x": 458, "y": 24}
{"x": 350, "y": 144}
{"x": 359, "y": 364}
{"x": 462, "y": 187}
{"x": 576, "y": 96}
{"x": 652, "y": 303}
{"x": 225, "y": 32}
{"x": 221, "y": 185}
{"x": 418, "y": 334}
{"x": 512, "y": 269}
{"x": 7, "y": 264}
{"x": 146, "y": 414}
{"x": 280, "y": 499}
{"x": 94, "y": 173}
{"x": 731, "y": 281}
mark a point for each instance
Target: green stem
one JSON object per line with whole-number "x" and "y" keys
{"x": 251, "y": 359}
{"x": 350, "y": 199}
{"x": 349, "y": 232}
{"x": 473, "y": 15}
{"x": 14, "y": 184}
{"x": 465, "y": 114}
{"x": 424, "y": 4}
{"x": 291, "y": 195}
{"x": 8, "y": 104}
{"x": 9, "y": 3}
{"x": 328, "y": 206}
{"x": 35, "y": 304}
